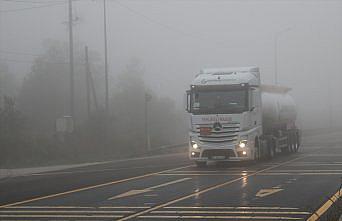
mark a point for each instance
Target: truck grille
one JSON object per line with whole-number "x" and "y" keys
{"x": 218, "y": 153}
{"x": 227, "y": 133}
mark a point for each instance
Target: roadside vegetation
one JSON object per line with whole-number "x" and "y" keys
{"x": 28, "y": 113}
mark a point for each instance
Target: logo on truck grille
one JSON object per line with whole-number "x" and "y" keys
{"x": 217, "y": 126}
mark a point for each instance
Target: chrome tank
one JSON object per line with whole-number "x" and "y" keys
{"x": 278, "y": 108}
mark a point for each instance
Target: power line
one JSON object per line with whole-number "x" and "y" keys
{"x": 32, "y": 2}
{"x": 168, "y": 27}
{"x": 30, "y": 61}
{"x": 19, "y": 53}
{"x": 30, "y": 8}
{"x": 151, "y": 20}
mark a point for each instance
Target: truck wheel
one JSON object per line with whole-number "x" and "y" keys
{"x": 201, "y": 164}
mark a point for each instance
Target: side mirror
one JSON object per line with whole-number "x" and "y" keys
{"x": 188, "y": 101}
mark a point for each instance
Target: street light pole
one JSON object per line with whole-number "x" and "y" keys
{"x": 106, "y": 56}
{"x": 276, "y": 40}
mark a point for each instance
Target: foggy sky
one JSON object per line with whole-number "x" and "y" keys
{"x": 175, "y": 39}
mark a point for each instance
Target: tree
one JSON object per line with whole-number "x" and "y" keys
{"x": 7, "y": 81}
{"x": 12, "y": 130}
{"x": 45, "y": 91}
{"x": 127, "y": 109}
{"x": 165, "y": 121}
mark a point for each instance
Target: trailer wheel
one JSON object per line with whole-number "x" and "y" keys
{"x": 270, "y": 148}
{"x": 292, "y": 142}
{"x": 201, "y": 164}
{"x": 297, "y": 142}
{"x": 257, "y": 149}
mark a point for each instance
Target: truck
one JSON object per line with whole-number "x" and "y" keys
{"x": 233, "y": 117}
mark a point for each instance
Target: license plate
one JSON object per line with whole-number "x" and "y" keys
{"x": 218, "y": 157}
{"x": 205, "y": 131}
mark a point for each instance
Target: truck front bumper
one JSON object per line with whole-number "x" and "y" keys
{"x": 220, "y": 154}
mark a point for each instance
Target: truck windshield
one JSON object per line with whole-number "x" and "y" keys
{"x": 219, "y": 102}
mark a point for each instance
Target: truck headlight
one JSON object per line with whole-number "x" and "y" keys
{"x": 243, "y": 143}
{"x": 194, "y": 145}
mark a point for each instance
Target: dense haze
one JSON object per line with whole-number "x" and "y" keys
{"x": 174, "y": 39}
{"x": 164, "y": 43}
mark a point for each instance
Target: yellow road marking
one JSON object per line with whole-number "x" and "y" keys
{"x": 266, "y": 192}
{"x": 307, "y": 170}
{"x": 216, "y": 171}
{"x": 228, "y": 207}
{"x": 261, "y": 174}
{"x": 136, "y": 192}
{"x": 299, "y": 174}
{"x": 232, "y": 212}
{"x": 205, "y": 190}
{"x": 90, "y": 187}
{"x": 200, "y": 174}
{"x": 318, "y": 213}
{"x": 223, "y": 217}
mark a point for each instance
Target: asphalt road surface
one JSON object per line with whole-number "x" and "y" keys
{"x": 289, "y": 187}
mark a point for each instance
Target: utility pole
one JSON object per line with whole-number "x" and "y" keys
{"x": 88, "y": 80}
{"x": 148, "y": 98}
{"x": 276, "y": 60}
{"x": 90, "y": 84}
{"x": 330, "y": 105}
{"x": 106, "y": 56}
{"x": 71, "y": 62}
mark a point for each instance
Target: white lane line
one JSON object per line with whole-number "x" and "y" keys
{"x": 231, "y": 212}
{"x": 222, "y": 217}
{"x": 205, "y": 190}
{"x": 233, "y": 207}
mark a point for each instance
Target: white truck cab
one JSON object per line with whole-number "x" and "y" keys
{"x": 226, "y": 116}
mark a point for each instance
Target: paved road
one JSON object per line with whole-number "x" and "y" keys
{"x": 290, "y": 187}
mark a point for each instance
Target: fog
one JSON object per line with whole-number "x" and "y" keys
{"x": 173, "y": 39}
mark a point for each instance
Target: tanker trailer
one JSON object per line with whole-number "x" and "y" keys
{"x": 235, "y": 118}
{"x": 279, "y": 116}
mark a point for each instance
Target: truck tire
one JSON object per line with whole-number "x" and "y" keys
{"x": 292, "y": 144}
{"x": 256, "y": 149}
{"x": 201, "y": 164}
{"x": 270, "y": 148}
{"x": 297, "y": 142}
